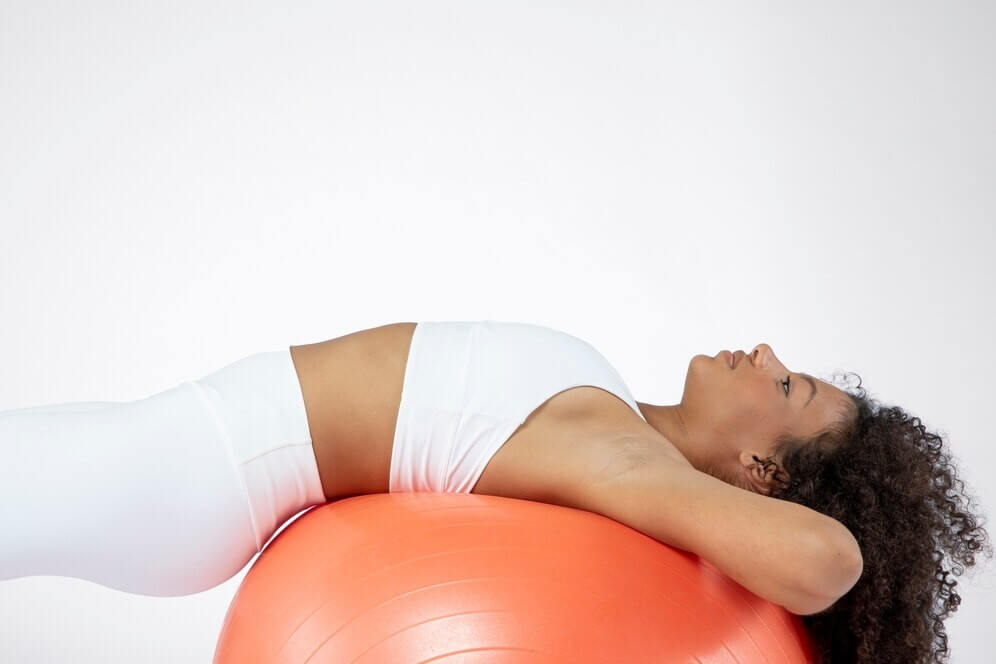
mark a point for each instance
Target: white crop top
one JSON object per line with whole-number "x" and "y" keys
{"x": 468, "y": 386}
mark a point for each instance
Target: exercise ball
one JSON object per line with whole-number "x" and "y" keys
{"x": 446, "y": 578}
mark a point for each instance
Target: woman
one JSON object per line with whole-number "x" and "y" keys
{"x": 174, "y": 494}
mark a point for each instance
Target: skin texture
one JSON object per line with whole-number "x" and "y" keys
{"x": 728, "y": 416}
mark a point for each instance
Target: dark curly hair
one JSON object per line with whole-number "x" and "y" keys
{"x": 892, "y": 484}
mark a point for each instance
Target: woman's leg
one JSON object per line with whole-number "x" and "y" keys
{"x": 168, "y": 495}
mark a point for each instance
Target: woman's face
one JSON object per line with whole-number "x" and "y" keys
{"x": 734, "y": 413}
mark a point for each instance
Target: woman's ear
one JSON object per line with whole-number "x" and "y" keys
{"x": 760, "y": 473}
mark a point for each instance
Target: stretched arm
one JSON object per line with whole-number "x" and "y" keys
{"x": 779, "y": 550}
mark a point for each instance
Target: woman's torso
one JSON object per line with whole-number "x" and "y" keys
{"x": 352, "y": 387}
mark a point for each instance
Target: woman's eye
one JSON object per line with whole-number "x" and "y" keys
{"x": 786, "y": 383}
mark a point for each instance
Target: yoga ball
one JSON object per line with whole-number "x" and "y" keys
{"x": 446, "y": 578}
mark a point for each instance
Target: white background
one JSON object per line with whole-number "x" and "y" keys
{"x": 183, "y": 184}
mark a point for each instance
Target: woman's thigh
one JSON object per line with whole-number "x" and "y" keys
{"x": 168, "y": 495}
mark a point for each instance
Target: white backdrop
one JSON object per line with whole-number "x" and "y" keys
{"x": 183, "y": 184}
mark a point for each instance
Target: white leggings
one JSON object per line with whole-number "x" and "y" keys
{"x": 168, "y": 495}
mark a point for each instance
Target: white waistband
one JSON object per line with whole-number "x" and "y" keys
{"x": 259, "y": 408}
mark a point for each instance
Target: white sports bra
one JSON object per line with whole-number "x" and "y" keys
{"x": 469, "y": 385}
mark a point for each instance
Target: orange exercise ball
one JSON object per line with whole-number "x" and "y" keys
{"x": 447, "y": 578}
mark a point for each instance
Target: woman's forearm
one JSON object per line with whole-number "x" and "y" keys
{"x": 781, "y": 551}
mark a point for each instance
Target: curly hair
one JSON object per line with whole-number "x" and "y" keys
{"x": 886, "y": 478}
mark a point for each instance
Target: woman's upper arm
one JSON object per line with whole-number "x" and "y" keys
{"x": 782, "y": 551}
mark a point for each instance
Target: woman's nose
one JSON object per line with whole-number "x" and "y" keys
{"x": 761, "y": 354}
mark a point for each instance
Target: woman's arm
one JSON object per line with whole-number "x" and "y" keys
{"x": 779, "y": 550}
